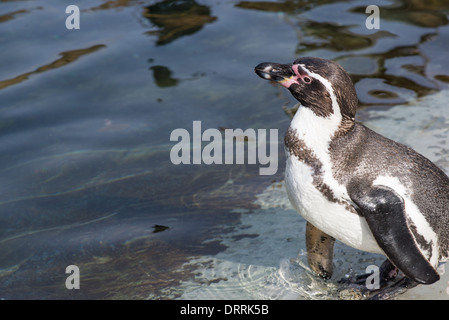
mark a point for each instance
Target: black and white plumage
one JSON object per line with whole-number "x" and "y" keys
{"x": 354, "y": 185}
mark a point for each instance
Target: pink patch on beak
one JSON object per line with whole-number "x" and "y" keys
{"x": 288, "y": 82}
{"x": 293, "y": 79}
{"x": 295, "y": 70}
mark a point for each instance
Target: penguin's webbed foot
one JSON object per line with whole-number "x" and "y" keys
{"x": 387, "y": 287}
{"x": 394, "y": 290}
{"x": 387, "y": 272}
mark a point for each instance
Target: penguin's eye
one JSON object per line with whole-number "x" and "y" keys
{"x": 307, "y": 79}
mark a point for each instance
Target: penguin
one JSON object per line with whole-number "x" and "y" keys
{"x": 356, "y": 186}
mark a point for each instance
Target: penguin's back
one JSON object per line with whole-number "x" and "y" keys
{"x": 363, "y": 158}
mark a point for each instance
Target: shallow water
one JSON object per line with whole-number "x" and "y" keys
{"x": 85, "y": 123}
{"x": 262, "y": 262}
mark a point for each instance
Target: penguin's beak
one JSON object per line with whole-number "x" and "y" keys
{"x": 281, "y": 73}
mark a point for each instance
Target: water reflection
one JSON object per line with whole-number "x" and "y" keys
{"x": 420, "y": 12}
{"x": 287, "y": 6}
{"x": 67, "y": 57}
{"x": 163, "y": 77}
{"x": 11, "y": 15}
{"x": 86, "y": 176}
{"x": 177, "y": 18}
{"x": 417, "y": 12}
{"x": 342, "y": 37}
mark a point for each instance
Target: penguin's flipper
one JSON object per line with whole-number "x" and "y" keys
{"x": 384, "y": 212}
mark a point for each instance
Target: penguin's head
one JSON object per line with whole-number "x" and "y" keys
{"x": 319, "y": 84}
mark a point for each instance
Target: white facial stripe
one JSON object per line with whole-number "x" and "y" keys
{"x": 322, "y": 129}
{"x": 328, "y": 85}
{"x": 422, "y": 226}
{"x": 317, "y": 132}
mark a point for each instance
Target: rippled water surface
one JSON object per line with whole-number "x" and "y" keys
{"x": 85, "y": 123}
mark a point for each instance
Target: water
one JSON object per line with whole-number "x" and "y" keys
{"x": 85, "y": 121}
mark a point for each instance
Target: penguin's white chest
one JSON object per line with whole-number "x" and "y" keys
{"x": 325, "y": 204}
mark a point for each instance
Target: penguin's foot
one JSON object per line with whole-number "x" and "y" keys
{"x": 387, "y": 272}
{"x": 394, "y": 290}
{"x": 360, "y": 287}
{"x": 388, "y": 291}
